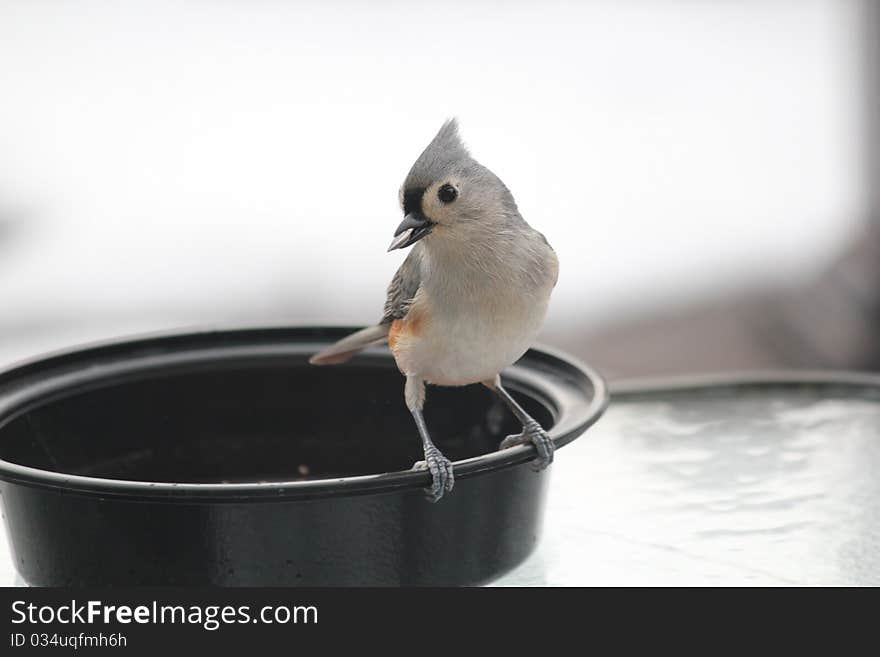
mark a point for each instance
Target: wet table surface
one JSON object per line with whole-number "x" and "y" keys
{"x": 720, "y": 485}
{"x": 753, "y": 485}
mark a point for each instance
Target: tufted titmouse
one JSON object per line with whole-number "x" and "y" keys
{"x": 469, "y": 298}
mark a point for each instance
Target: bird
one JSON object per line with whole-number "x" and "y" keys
{"x": 469, "y": 298}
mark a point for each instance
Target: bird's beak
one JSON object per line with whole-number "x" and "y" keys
{"x": 414, "y": 227}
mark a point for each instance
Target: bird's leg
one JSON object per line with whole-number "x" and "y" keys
{"x": 532, "y": 431}
{"x": 438, "y": 465}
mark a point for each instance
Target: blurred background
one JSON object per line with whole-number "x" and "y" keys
{"x": 705, "y": 170}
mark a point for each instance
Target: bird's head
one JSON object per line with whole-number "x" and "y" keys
{"x": 448, "y": 195}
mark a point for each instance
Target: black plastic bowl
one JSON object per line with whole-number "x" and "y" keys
{"x": 223, "y": 458}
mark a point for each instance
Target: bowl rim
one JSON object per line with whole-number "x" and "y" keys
{"x": 575, "y": 394}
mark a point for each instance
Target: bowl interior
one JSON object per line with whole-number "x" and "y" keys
{"x": 276, "y": 420}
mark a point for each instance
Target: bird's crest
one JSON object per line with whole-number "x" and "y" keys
{"x": 445, "y": 153}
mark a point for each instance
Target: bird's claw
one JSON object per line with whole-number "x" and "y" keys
{"x": 442, "y": 476}
{"x": 533, "y": 434}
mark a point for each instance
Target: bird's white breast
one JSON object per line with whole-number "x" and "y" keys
{"x": 468, "y": 325}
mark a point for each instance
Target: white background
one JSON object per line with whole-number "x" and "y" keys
{"x": 166, "y": 164}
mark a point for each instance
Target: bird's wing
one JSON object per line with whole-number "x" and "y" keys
{"x": 403, "y": 287}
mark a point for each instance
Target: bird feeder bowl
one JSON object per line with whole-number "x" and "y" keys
{"x": 223, "y": 458}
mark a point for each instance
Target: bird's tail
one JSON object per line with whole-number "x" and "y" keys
{"x": 341, "y": 351}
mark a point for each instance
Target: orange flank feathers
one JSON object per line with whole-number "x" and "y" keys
{"x": 408, "y": 327}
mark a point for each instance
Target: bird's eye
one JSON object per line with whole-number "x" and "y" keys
{"x": 447, "y": 193}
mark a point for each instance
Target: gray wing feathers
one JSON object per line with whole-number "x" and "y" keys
{"x": 403, "y": 287}
{"x": 401, "y": 291}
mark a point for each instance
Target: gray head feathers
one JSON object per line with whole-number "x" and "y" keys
{"x": 444, "y": 155}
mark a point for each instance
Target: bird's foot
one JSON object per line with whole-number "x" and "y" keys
{"x": 532, "y": 433}
{"x": 440, "y": 467}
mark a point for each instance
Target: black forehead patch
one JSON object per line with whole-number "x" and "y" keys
{"x": 412, "y": 200}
